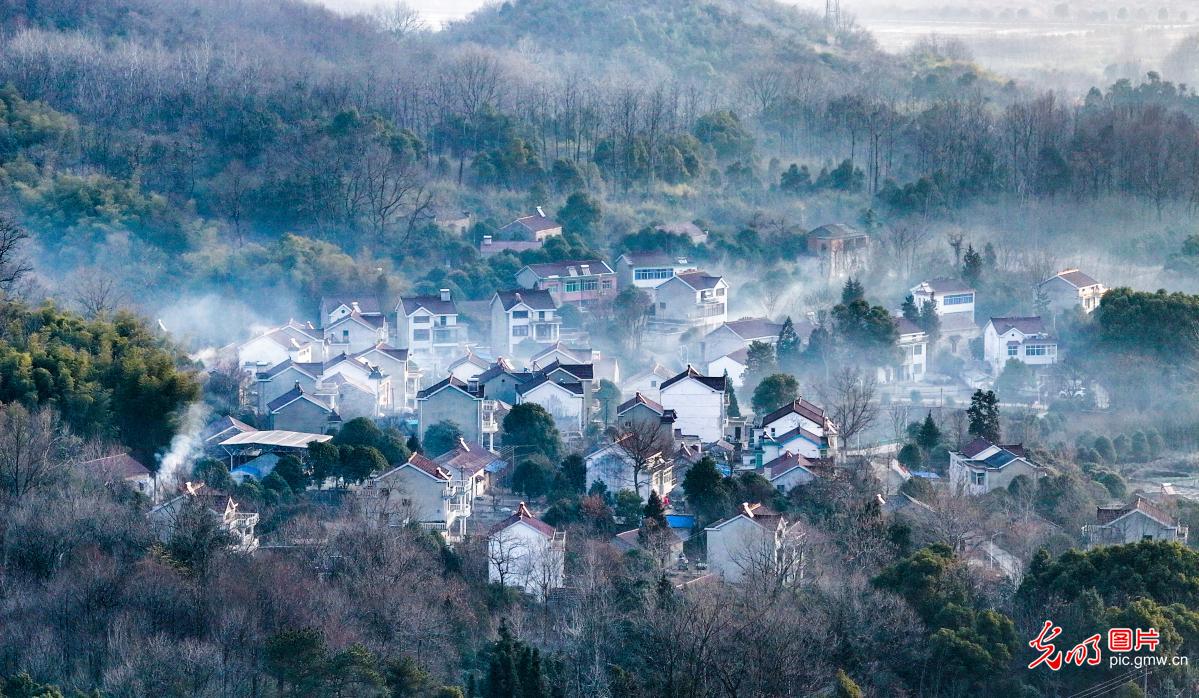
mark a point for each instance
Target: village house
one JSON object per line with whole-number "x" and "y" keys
{"x": 429, "y": 328}
{"x": 299, "y": 342}
{"x": 640, "y": 412}
{"x": 523, "y": 322}
{"x": 565, "y": 401}
{"x": 649, "y": 269}
{"x": 982, "y": 466}
{"x": 791, "y": 470}
{"x": 694, "y": 234}
{"x": 739, "y": 334}
{"x": 1071, "y": 288}
{"x": 455, "y": 401}
{"x": 302, "y": 411}
{"x": 841, "y": 249}
{"x": 648, "y": 382}
{"x": 631, "y": 456}
{"x": 563, "y": 354}
{"x": 800, "y": 427}
{"x": 122, "y": 467}
{"x": 1021, "y": 338}
{"x": 231, "y": 515}
{"x": 355, "y": 332}
{"x": 691, "y": 299}
{"x": 404, "y": 376}
{"x": 537, "y": 227}
{"x": 913, "y": 354}
{"x": 953, "y": 301}
{"x": 699, "y": 404}
{"x": 733, "y": 364}
{"x": 755, "y": 544}
{"x": 526, "y": 553}
{"x": 468, "y": 366}
{"x": 334, "y": 308}
{"x": 471, "y": 467}
{"x": 420, "y": 491}
{"x": 1132, "y": 523}
{"x": 584, "y": 283}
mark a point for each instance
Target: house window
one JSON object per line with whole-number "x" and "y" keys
{"x": 607, "y": 284}
{"x": 652, "y": 274}
{"x": 1013, "y": 349}
{"x": 573, "y": 286}
{"x": 720, "y": 292}
{"x": 420, "y": 319}
{"x": 345, "y": 335}
{"x": 1036, "y": 350}
{"x": 520, "y": 315}
{"x": 958, "y": 299}
{"x": 385, "y": 491}
{"x": 980, "y": 478}
{"x": 420, "y": 335}
{"x": 918, "y": 349}
{"x": 520, "y": 331}
{"x": 662, "y": 305}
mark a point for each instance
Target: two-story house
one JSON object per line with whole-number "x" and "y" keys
{"x": 526, "y": 553}
{"x": 538, "y": 227}
{"x": 1021, "y": 338}
{"x": 982, "y": 466}
{"x": 739, "y": 334}
{"x": 1132, "y": 523}
{"x": 649, "y": 269}
{"x": 691, "y": 299}
{"x": 912, "y": 344}
{"x": 648, "y": 381}
{"x": 297, "y": 341}
{"x": 583, "y": 283}
{"x": 355, "y": 332}
{"x": 298, "y": 410}
{"x": 428, "y": 327}
{"x": 953, "y": 300}
{"x": 420, "y": 491}
{"x": 454, "y": 401}
{"x": 564, "y": 401}
{"x": 523, "y": 322}
{"x": 1071, "y": 288}
{"x": 470, "y": 466}
{"x": 698, "y": 402}
{"x": 754, "y": 545}
{"x": 334, "y": 308}
{"x": 624, "y": 465}
{"x": 405, "y": 375}
{"x": 800, "y": 427}
{"x": 841, "y": 249}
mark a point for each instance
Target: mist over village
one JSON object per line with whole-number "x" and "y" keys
{"x": 557, "y": 348}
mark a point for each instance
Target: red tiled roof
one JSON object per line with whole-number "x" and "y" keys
{"x": 523, "y": 514}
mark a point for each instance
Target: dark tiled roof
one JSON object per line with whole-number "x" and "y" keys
{"x": 312, "y": 370}
{"x": 224, "y": 424}
{"x": 801, "y": 407}
{"x": 975, "y": 447}
{"x": 121, "y": 465}
{"x": 580, "y": 371}
{"x": 579, "y": 355}
{"x": 368, "y": 303}
{"x": 576, "y": 388}
{"x": 428, "y": 466}
{"x": 699, "y": 280}
{"x": 754, "y": 327}
{"x": 534, "y": 223}
{"x": 385, "y": 348}
{"x": 523, "y": 514}
{"x": 713, "y": 382}
{"x": 375, "y": 321}
{"x": 537, "y": 300}
{"x": 785, "y": 462}
{"x": 1107, "y": 515}
{"x": 449, "y": 382}
{"x": 836, "y": 231}
{"x": 1077, "y": 279}
{"x": 639, "y": 399}
{"x": 433, "y": 304}
{"x": 469, "y": 458}
{"x": 295, "y": 394}
{"x": 1026, "y": 325}
{"x": 595, "y": 267}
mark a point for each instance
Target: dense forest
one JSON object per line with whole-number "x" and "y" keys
{"x": 219, "y": 163}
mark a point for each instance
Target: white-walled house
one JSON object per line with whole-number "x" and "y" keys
{"x": 468, "y": 366}
{"x": 982, "y": 466}
{"x": 355, "y": 332}
{"x": 648, "y": 382}
{"x": 523, "y": 322}
{"x": 614, "y": 465}
{"x": 418, "y": 491}
{"x": 565, "y": 401}
{"x": 469, "y": 466}
{"x": 405, "y": 375}
{"x": 526, "y": 553}
{"x": 649, "y": 269}
{"x": 691, "y": 299}
{"x": 913, "y": 354}
{"x": 296, "y": 341}
{"x": 755, "y": 544}
{"x": 738, "y": 334}
{"x": 428, "y": 327}
{"x": 1022, "y": 338}
{"x": 1132, "y": 523}
{"x": 583, "y": 283}
{"x": 698, "y": 402}
{"x": 734, "y": 363}
{"x": 789, "y": 470}
{"x": 954, "y": 302}
{"x": 1070, "y": 288}
{"x": 799, "y": 427}
{"x": 334, "y": 308}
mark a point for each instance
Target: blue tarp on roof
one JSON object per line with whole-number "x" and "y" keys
{"x": 258, "y": 468}
{"x": 680, "y": 521}
{"x": 495, "y": 466}
{"x": 1000, "y": 459}
{"x": 927, "y": 475}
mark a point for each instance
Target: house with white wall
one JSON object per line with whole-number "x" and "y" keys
{"x": 753, "y": 545}
{"x": 1137, "y": 521}
{"x": 565, "y": 401}
{"x": 648, "y": 270}
{"x": 800, "y": 427}
{"x": 739, "y": 334}
{"x": 355, "y": 332}
{"x": 734, "y": 364}
{"x": 615, "y": 463}
{"x": 299, "y": 342}
{"x": 647, "y": 381}
{"x": 405, "y": 375}
{"x": 912, "y": 344}
{"x": 953, "y": 301}
{"x": 523, "y": 322}
{"x": 698, "y": 402}
{"x": 691, "y": 299}
{"x": 334, "y": 308}
{"x": 419, "y": 491}
{"x": 1021, "y": 338}
{"x": 429, "y": 328}
{"x": 981, "y": 466}
{"x": 582, "y": 283}
{"x": 526, "y": 553}
{"x": 1071, "y": 288}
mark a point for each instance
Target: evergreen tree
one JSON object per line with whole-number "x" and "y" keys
{"x": 787, "y": 348}
{"x": 929, "y": 321}
{"x": 984, "y": 415}
{"x": 414, "y": 444}
{"x": 775, "y": 391}
{"x": 1105, "y": 449}
{"x": 909, "y": 310}
{"x": 929, "y": 435}
{"x": 734, "y": 409}
{"x": 852, "y": 291}
{"x": 502, "y": 678}
{"x": 760, "y": 361}
{"x": 655, "y": 511}
{"x": 972, "y": 266}
{"x": 704, "y": 487}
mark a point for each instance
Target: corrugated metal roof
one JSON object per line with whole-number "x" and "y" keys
{"x": 274, "y": 437}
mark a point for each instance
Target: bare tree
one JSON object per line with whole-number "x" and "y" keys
{"x": 956, "y": 238}
{"x": 14, "y": 266}
{"x": 904, "y": 242}
{"x": 399, "y": 19}
{"x": 849, "y": 395}
{"x": 645, "y": 445}
{"x": 898, "y": 418}
{"x": 97, "y": 293}
{"x": 33, "y": 449}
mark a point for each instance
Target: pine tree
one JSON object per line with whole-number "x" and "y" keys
{"x": 852, "y": 291}
{"x": 929, "y": 435}
{"x": 502, "y": 678}
{"x": 909, "y": 309}
{"x": 787, "y": 347}
{"x": 984, "y": 415}
{"x": 734, "y": 409}
{"x": 972, "y": 266}
{"x": 414, "y": 445}
{"x": 655, "y": 511}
